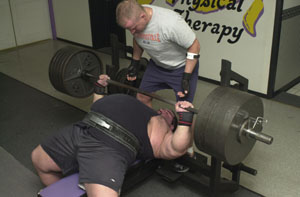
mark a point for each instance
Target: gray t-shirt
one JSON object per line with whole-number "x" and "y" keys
{"x": 166, "y": 38}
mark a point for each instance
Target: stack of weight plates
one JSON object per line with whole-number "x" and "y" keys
{"x": 67, "y": 71}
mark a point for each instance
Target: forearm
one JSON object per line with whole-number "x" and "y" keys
{"x": 137, "y": 51}
{"x": 100, "y": 87}
{"x": 190, "y": 64}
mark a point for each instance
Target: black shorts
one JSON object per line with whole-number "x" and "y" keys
{"x": 157, "y": 78}
{"x": 73, "y": 149}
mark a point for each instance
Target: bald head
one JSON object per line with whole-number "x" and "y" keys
{"x": 128, "y": 10}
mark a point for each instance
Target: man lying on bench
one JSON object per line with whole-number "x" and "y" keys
{"x": 117, "y": 131}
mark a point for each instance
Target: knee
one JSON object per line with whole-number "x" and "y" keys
{"x": 36, "y": 158}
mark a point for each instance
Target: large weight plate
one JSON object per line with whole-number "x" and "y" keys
{"x": 219, "y": 120}
{"x": 63, "y": 61}
{"x": 66, "y": 68}
{"x": 57, "y": 65}
{"x": 53, "y": 75}
{"x": 80, "y": 61}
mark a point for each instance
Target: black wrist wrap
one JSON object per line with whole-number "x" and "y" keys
{"x": 134, "y": 68}
{"x": 186, "y": 76}
{"x": 185, "y": 118}
{"x": 99, "y": 89}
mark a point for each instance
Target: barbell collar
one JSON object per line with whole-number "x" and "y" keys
{"x": 258, "y": 136}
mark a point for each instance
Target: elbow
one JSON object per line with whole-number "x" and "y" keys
{"x": 179, "y": 151}
{"x": 195, "y": 47}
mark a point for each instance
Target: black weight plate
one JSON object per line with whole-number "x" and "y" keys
{"x": 59, "y": 64}
{"x": 51, "y": 69}
{"x": 80, "y": 86}
{"x": 65, "y": 59}
{"x": 215, "y": 130}
{"x": 80, "y": 61}
{"x": 53, "y": 75}
{"x": 57, "y": 69}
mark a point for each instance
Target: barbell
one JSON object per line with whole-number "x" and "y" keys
{"x": 228, "y": 122}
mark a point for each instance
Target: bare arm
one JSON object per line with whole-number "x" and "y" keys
{"x": 102, "y": 81}
{"x": 176, "y": 144}
{"x": 190, "y": 64}
{"x": 189, "y": 67}
{"x": 137, "y": 51}
{"x": 134, "y": 65}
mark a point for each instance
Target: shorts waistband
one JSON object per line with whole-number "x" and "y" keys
{"x": 112, "y": 129}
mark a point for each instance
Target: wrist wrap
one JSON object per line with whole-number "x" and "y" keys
{"x": 185, "y": 83}
{"x": 185, "y": 118}
{"x": 134, "y": 68}
{"x": 99, "y": 89}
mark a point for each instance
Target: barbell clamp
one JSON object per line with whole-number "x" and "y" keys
{"x": 245, "y": 130}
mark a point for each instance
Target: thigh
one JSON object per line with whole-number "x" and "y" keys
{"x": 153, "y": 78}
{"x": 100, "y": 164}
{"x": 99, "y": 190}
{"x": 43, "y": 161}
{"x": 62, "y": 147}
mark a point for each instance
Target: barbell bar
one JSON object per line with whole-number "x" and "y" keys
{"x": 152, "y": 95}
{"x": 228, "y": 122}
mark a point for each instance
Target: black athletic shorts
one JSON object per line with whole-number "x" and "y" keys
{"x": 73, "y": 149}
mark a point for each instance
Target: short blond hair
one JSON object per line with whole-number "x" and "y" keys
{"x": 128, "y": 10}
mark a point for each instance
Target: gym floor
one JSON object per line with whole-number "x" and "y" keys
{"x": 277, "y": 164}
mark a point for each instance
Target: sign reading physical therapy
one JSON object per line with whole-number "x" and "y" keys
{"x": 234, "y": 33}
{"x": 237, "y": 30}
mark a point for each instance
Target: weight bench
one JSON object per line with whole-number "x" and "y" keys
{"x": 68, "y": 186}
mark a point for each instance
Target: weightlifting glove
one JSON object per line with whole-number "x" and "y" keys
{"x": 133, "y": 68}
{"x": 185, "y": 83}
{"x": 99, "y": 89}
{"x": 185, "y": 118}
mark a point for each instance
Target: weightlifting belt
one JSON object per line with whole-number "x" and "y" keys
{"x": 112, "y": 129}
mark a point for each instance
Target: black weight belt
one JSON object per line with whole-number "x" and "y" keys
{"x": 112, "y": 129}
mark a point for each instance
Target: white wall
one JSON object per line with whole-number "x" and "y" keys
{"x": 7, "y": 38}
{"x": 290, "y": 3}
{"x": 72, "y": 21}
{"x": 23, "y": 22}
{"x": 288, "y": 67}
{"x": 31, "y": 20}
